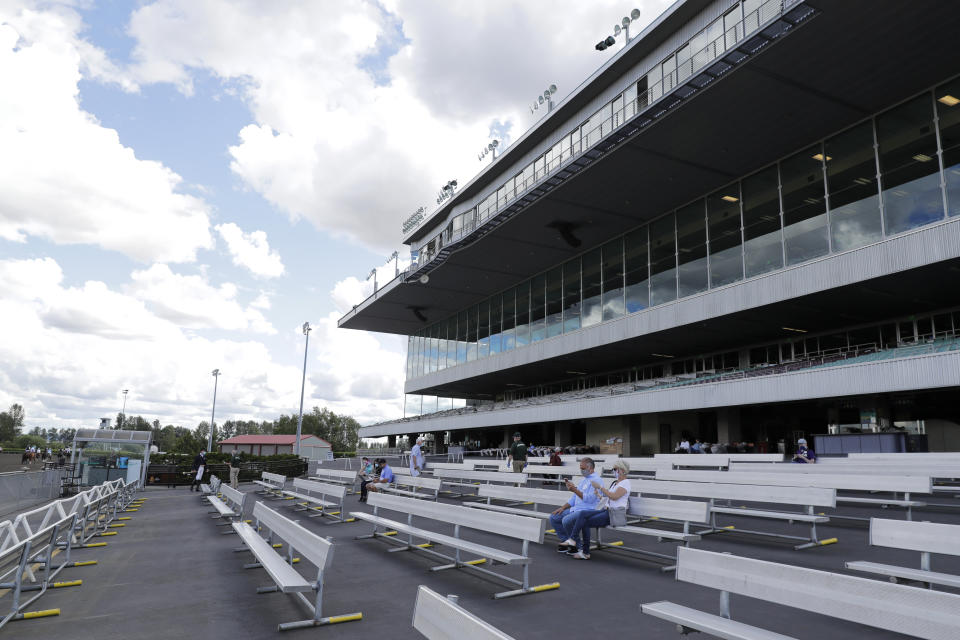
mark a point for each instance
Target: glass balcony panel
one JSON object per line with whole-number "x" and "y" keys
{"x": 496, "y": 324}
{"x": 613, "y": 305}
{"x": 637, "y": 270}
{"x": 591, "y": 312}
{"x": 509, "y": 340}
{"x": 726, "y": 241}
{"x": 538, "y": 325}
{"x": 910, "y": 172}
{"x": 763, "y": 241}
{"x": 554, "y": 302}
{"x": 948, "y": 109}
{"x": 483, "y": 329}
{"x": 852, "y": 182}
{"x": 522, "y": 332}
{"x": 472, "y": 333}
{"x": 804, "y": 206}
{"x": 692, "y": 249}
{"x": 571, "y": 295}
{"x": 663, "y": 261}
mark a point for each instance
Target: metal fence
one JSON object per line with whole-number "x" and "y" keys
{"x": 21, "y": 490}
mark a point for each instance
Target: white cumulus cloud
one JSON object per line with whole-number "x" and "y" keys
{"x": 251, "y": 250}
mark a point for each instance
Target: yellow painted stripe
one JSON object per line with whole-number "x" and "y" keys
{"x": 84, "y": 563}
{"x": 117, "y": 525}
{"x": 478, "y": 561}
{"x": 124, "y": 518}
{"x": 248, "y": 521}
{"x": 95, "y": 544}
{"x": 546, "y": 587}
{"x": 728, "y": 527}
{"x": 527, "y": 503}
{"x": 551, "y": 530}
{"x": 389, "y": 533}
{"x": 350, "y": 520}
{"x": 107, "y": 533}
{"x": 654, "y": 517}
{"x": 296, "y": 560}
{"x": 41, "y": 614}
{"x": 333, "y": 513}
{"x": 71, "y": 583}
{"x": 618, "y": 543}
{"x": 289, "y": 498}
{"x": 336, "y": 619}
{"x": 829, "y": 541}
{"x": 277, "y": 546}
{"x": 425, "y": 545}
{"x": 130, "y": 510}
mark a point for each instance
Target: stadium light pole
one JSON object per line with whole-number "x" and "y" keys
{"x": 123, "y": 412}
{"x": 373, "y": 274}
{"x": 216, "y": 374}
{"x": 303, "y": 384}
{"x": 396, "y": 263}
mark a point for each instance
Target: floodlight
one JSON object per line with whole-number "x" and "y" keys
{"x": 495, "y": 143}
{"x": 635, "y": 14}
{"x": 552, "y": 89}
{"x": 600, "y": 46}
{"x": 424, "y": 279}
{"x": 625, "y": 22}
{"x": 453, "y": 183}
{"x": 540, "y": 99}
{"x": 616, "y": 29}
{"x": 610, "y": 41}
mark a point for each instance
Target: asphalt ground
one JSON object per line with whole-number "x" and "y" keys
{"x": 172, "y": 574}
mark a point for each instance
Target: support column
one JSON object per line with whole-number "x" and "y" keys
{"x": 728, "y": 424}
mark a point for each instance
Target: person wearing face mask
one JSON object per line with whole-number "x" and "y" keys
{"x": 584, "y": 497}
{"x": 612, "y": 509}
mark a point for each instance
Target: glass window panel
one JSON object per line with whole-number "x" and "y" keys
{"x": 942, "y": 324}
{"x": 637, "y": 274}
{"x": 419, "y": 364}
{"x": 435, "y": 348}
{"x": 409, "y": 357}
{"x": 538, "y": 325}
{"x": 733, "y": 29}
{"x": 571, "y": 295}
{"x": 763, "y": 247}
{"x": 523, "y": 314}
{"x": 669, "y": 73}
{"x": 723, "y": 216}
{"x": 852, "y": 182}
{"x": 663, "y": 261}
{"x": 948, "y": 110}
{"x": 630, "y": 102}
{"x": 483, "y": 329}
{"x": 452, "y": 341}
{"x": 555, "y": 302}
{"x": 908, "y": 165}
{"x": 592, "y": 288}
{"x": 906, "y": 331}
{"x": 496, "y": 323}
{"x": 509, "y": 320}
{"x": 925, "y": 328}
{"x": 613, "y": 279}
{"x": 804, "y": 210}
{"x": 472, "y": 333}
{"x": 462, "y": 337}
{"x": 442, "y": 346}
{"x": 691, "y": 249}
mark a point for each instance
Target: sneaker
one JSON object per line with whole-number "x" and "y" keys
{"x": 570, "y": 542}
{"x": 580, "y": 555}
{"x": 566, "y": 548}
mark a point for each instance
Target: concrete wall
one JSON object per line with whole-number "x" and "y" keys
{"x": 942, "y": 435}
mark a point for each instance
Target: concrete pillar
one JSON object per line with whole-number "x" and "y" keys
{"x": 561, "y": 434}
{"x": 391, "y": 441}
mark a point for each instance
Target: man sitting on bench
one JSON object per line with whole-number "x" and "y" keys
{"x": 585, "y": 496}
{"x": 803, "y": 454}
{"x": 385, "y": 477}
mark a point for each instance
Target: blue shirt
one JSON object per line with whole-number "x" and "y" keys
{"x": 386, "y": 474}
{"x": 590, "y": 497}
{"x": 808, "y": 453}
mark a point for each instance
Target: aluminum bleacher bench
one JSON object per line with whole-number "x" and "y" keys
{"x": 429, "y": 487}
{"x": 893, "y": 483}
{"x": 286, "y": 578}
{"x": 805, "y": 496}
{"x": 932, "y": 615}
{"x": 925, "y": 537}
{"x": 212, "y": 488}
{"x": 337, "y": 476}
{"x": 271, "y": 484}
{"x": 228, "y": 506}
{"x": 516, "y": 528}
{"x": 439, "y": 618}
{"x": 470, "y": 479}
{"x": 322, "y": 498}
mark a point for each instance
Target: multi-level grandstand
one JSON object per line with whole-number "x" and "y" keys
{"x": 745, "y": 226}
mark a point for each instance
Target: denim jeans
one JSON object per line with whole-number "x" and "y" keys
{"x": 584, "y": 521}
{"x": 563, "y": 523}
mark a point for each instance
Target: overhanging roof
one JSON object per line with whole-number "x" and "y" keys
{"x": 855, "y": 58}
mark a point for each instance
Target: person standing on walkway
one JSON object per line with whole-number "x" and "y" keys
{"x": 417, "y": 460}
{"x": 199, "y": 464}
{"x": 518, "y": 454}
{"x": 234, "y": 472}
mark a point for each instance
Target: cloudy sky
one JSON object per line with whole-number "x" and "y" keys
{"x": 183, "y": 183}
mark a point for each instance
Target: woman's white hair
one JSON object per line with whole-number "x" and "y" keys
{"x": 622, "y": 465}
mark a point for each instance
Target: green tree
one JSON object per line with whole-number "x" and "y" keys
{"x": 10, "y": 422}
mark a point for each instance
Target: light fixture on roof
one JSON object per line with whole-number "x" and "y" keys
{"x": 662, "y": 355}
{"x": 922, "y": 157}
{"x": 819, "y": 157}
{"x": 795, "y": 330}
{"x": 623, "y": 27}
{"x": 949, "y": 100}
{"x": 447, "y": 191}
{"x": 729, "y": 198}
{"x": 545, "y": 98}
{"x": 373, "y": 274}
{"x": 490, "y": 149}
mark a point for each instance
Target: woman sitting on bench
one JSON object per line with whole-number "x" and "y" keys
{"x": 612, "y": 510}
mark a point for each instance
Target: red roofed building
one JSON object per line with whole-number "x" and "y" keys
{"x": 311, "y": 447}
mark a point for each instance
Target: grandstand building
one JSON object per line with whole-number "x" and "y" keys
{"x": 745, "y": 226}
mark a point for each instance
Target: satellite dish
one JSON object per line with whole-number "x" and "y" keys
{"x": 625, "y": 22}
{"x": 635, "y": 14}
{"x": 616, "y": 30}
{"x": 424, "y": 279}
{"x": 553, "y": 88}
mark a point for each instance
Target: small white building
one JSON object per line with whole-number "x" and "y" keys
{"x": 311, "y": 447}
